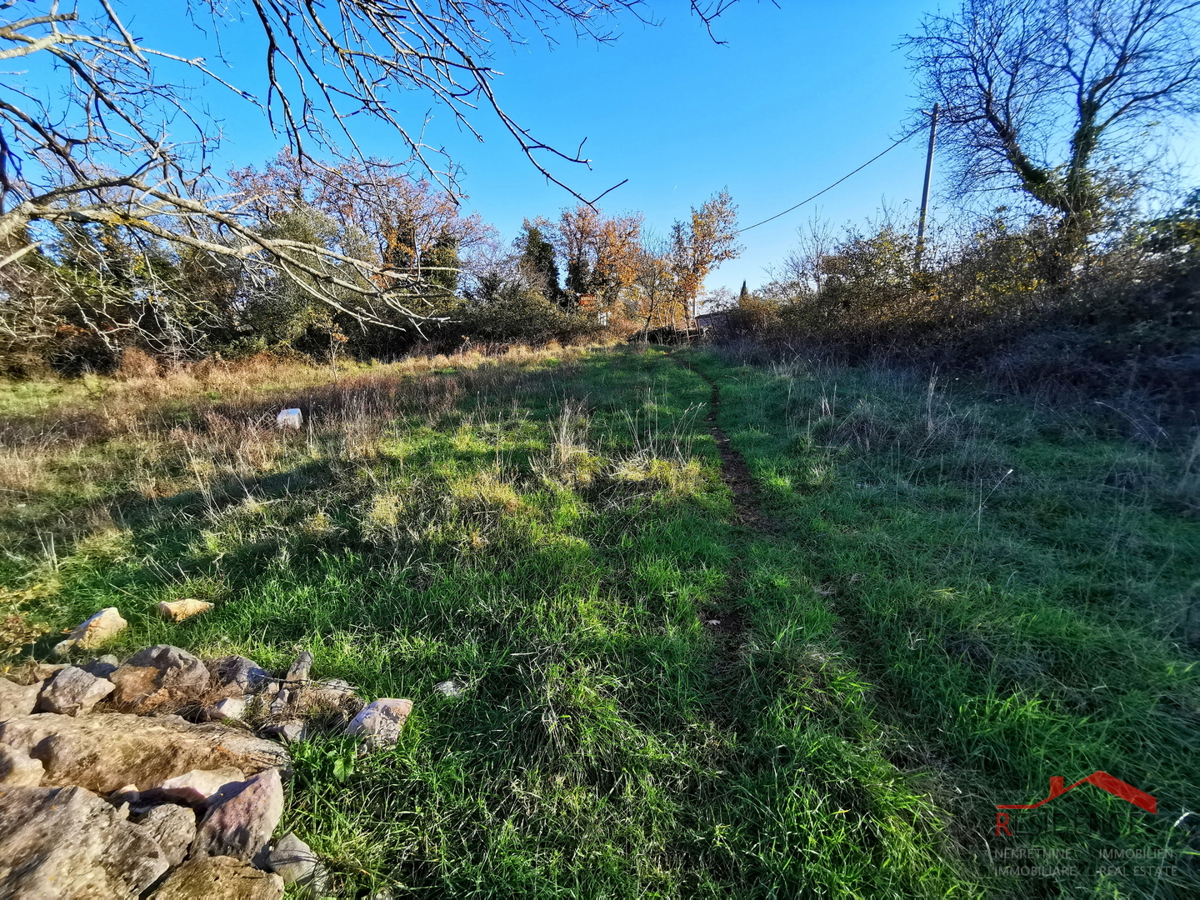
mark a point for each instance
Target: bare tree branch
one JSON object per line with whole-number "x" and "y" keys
{"x": 1035, "y": 93}
{"x": 113, "y": 139}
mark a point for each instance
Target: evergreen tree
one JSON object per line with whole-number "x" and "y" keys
{"x": 443, "y": 264}
{"x": 537, "y": 259}
{"x": 277, "y": 312}
{"x": 744, "y": 295}
{"x": 579, "y": 278}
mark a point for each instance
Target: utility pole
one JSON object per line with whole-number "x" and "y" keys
{"x": 933, "y": 123}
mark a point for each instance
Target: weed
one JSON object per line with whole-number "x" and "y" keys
{"x": 319, "y": 762}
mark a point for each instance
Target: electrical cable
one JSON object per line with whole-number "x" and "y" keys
{"x": 836, "y": 183}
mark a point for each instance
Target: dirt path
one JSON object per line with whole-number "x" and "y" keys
{"x": 734, "y": 471}
{"x": 727, "y": 620}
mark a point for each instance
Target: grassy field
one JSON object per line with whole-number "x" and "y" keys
{"x": 801, "y": 650}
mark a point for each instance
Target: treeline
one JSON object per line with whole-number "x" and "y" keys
{"x": 352, "y": 233}
{"x": 1005, "y": 297}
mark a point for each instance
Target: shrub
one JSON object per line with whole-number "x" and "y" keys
{"x": 996, "y": 302}
{"x": 524, "y": 315}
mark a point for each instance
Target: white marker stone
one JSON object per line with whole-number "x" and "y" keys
{"x": 290, "y": 418}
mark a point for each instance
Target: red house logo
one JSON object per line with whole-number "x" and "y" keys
{"x": 1102, "y": 780}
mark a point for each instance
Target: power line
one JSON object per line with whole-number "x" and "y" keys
{"x": 836, "y": 183}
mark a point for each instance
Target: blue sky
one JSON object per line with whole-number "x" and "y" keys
{"x": 796, "y": 97}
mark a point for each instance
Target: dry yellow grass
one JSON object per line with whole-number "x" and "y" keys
{"x": 70, "y": 450}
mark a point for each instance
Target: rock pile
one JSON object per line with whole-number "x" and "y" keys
{"x": 147, "y": 778}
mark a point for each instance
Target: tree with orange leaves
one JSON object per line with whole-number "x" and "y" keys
{"x": 655, "y": 288}
{"x": 602, "y": 253}
{"x": 701, "y": 244}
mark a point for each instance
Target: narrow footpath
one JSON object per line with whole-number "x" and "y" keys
{"x": 727, "y": 620}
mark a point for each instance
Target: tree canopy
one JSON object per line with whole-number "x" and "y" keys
{"x": 101, "y": 129}
{"x": 1056, "y": 97}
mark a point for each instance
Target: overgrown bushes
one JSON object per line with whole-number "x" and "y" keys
{"x": 996, "y": 303}
{"x": 347, "y": 260}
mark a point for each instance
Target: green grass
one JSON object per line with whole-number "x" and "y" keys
{"x": 1019, "y": 589}
{"x": 924, "y": 635}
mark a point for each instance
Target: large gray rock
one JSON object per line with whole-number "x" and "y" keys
{"x": 241, "y": 826}
{"x": 18, "y": 769}
{"x": 225, "y": 792}
{"x": 93, "y": 632}
{"x": 158, "y": 675}
{"x": 68, "y": 844}
{"x": 106, "y": 751}
{"x": 172, "y": 827}
{"x": 72, "y": 691}
{"x": 219, "y": 878}
{"x": 17, "y": 699}
{"x": 294, "y": 862}
{"x": 238, "y": 675}
{"x": 380, "y": 722}
{"x": 178, "y": 665}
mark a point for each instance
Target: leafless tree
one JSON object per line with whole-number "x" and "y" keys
{"x": 1056, "y": 97}
{"x": 802, "y": 272}
{"x": 719, "y": 299}
{"x": 28, "y": 314}
{"x": 96, "y": 128}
